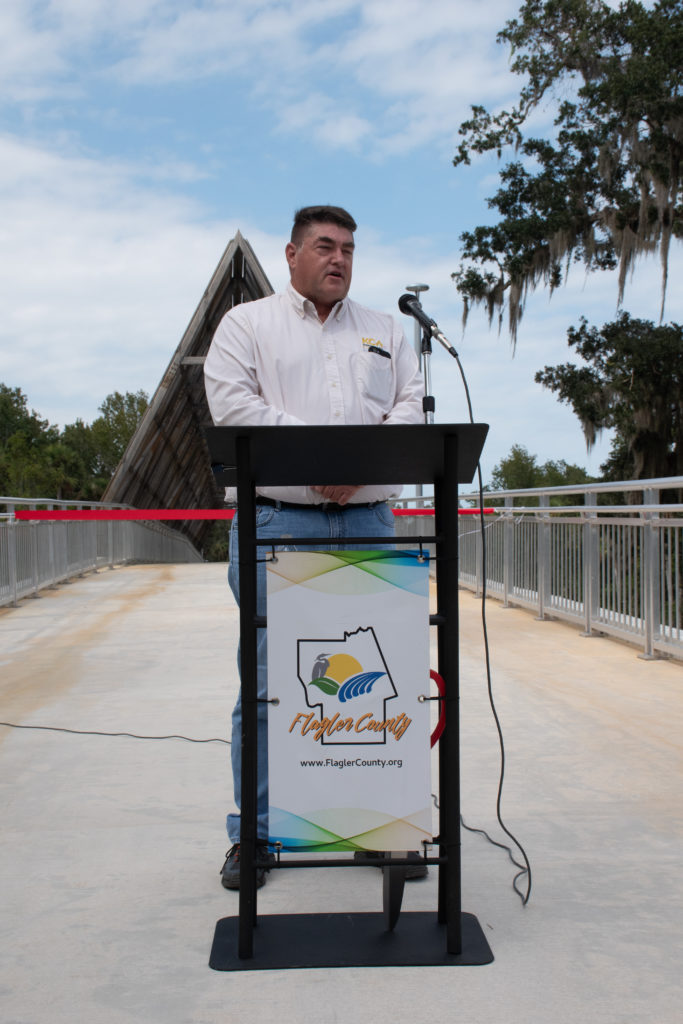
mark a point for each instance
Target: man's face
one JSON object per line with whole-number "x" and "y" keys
{"x": 320, "y": 267}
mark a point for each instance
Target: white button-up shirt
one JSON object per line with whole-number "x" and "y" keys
{"x": 273, "y": 363}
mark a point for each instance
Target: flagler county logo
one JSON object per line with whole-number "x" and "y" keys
{"x": 348, "y": 682}
{"x": 342, "y": 675}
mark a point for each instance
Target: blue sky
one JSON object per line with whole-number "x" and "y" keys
{"x": 137, "y": 137}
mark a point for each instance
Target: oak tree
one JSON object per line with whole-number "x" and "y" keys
{"x": 606, "y": 185}
{"x": 631, "y": 380}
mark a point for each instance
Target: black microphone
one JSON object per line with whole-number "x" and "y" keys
{"x": 411, "y": 306}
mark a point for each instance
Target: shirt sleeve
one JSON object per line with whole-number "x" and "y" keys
{"x": 232, "y": 389}
{"x": 407, "y": 407}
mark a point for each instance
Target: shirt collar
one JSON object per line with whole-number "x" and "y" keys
{"x": 304, "y": 307}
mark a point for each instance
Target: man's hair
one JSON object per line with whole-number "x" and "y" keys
{"x": 308, "y": 215}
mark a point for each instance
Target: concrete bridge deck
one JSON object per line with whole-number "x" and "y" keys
{"x": 111, "y": 846}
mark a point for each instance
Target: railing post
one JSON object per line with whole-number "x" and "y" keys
{"x": 34, "y": 556}
{"x": 92, "y": 534}
{"x": 83, "y": 553}
{"x": 51, "y": 550}
{"x": 508, "y": 552}
{"x": 543, "y": 568}
{"x": 650, "y": 577}
{"x": 110, "y": 544}
{"x": 590, "y": 563}
{"x": 12, "y": 558}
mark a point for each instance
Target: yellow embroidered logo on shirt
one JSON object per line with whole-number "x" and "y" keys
{"x": 367, "y": 342}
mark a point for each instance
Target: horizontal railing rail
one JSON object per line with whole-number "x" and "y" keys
{"x": 41, "y": 553}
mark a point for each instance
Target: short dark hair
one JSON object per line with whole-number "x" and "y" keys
{"x": 308, "y": 215}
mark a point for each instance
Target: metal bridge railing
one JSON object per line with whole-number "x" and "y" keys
{"x": 610, "y": 568}
{"x": 38, "y": 554}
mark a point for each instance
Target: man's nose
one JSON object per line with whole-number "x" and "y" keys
{"x": 338, "y": 255}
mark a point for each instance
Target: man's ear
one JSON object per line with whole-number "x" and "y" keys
{"x": 290, "y": 254}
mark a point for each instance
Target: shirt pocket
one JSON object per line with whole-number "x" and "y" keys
{"x": 375, "y": 376}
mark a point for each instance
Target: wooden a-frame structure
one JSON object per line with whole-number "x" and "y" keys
{"x": 166, "y": 464}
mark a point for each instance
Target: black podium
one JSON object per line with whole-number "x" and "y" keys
{"x": 445, "y": 454}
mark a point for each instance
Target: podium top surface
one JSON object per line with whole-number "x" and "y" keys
{"x": 405, "y": 453}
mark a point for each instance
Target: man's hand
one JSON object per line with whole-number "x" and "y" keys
{"x": 339, "y": 495}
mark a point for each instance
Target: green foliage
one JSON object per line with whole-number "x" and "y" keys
{"x": 79, "y": 438}
{"x": 517, "y": 471}
{"x": 619, "y": 463}
{"x": 217, "y": 545}
{"x": 520, "y": 471}
{"x": 112, "y": 431}
{"x": 39, "y": 461}
{"x": 25, "y": 444}
{"x": 16, "y": 419}
{"x": 633, "y": 382}
{"x": 608, "y": 186}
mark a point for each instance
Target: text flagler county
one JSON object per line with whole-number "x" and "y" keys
{"x": 318, "y": 728}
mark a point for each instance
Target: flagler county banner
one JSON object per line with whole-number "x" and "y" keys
{"x": 348, "y": 740}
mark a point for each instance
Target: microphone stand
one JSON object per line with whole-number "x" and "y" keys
{"x": 428, "y": 403}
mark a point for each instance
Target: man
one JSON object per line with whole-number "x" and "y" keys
{"x": 307, "y": 356}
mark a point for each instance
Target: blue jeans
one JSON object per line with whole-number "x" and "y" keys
{"x": 376, "y": 521}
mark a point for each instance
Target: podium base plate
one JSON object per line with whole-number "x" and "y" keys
{"x": 283, "y": 941}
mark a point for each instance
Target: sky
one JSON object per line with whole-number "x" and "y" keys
{"x": 137, "y": 137}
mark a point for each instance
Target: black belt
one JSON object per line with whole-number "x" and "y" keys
{"x": 323, "y": 506}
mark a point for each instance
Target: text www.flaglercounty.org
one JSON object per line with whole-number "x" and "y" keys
{"x": 352, "y": 762}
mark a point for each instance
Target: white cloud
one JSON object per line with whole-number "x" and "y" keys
{"x": 416, "y": 67}
{"x": 419, "y": 66}
{"x": 29, "y": 57}
{"x": 327, "y": 120}
{"x": 104, "y": 273}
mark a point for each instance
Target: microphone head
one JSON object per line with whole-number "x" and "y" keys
{"x": 407, "y": 303}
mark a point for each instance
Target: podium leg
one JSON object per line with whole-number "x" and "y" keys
{"x": 248, "y": 658}
{"x": 446, "y": 521}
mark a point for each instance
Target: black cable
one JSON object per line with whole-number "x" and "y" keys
{"x": 95, "y": 732}
{"x": 493, "y": 842}
{"x": 525, "y": 870}
{"x": 526, "y": 867}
